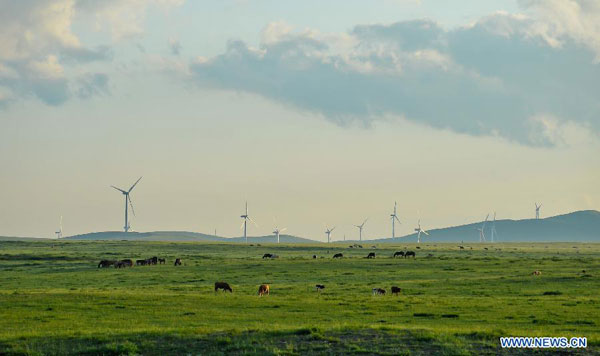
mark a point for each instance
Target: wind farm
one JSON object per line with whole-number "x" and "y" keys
{"x": 299, "y": 178}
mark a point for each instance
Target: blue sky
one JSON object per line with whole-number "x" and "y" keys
{"x": 316, "y": 112}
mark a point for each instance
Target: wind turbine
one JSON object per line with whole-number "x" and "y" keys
{"x": 494, "y": 232}
{"x": 482, "y": 230}
{"x": 245, "y": 223}
{"x": 277, "y": 231}
{"x": 537, "y": 211}
{"x": 360, "y": 227}
{"x": 59, "y": 232}
{"x": 127, "y": 199}
{"x": 394, "y": 218}
{"x": 419, "y": 230}
{"x": 328, "y": 232}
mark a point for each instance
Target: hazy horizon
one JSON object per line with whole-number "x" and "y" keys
{"x": 315, "y": 113}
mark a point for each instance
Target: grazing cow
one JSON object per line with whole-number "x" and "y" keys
{"x": 360, "y": 246}
{"x": 314, "y": 256}
{"x": 224, "y": 286}
{"x": 178, "y": 262}
{"x": 373, "y": 246}
{"x": 396, "y": 290}
{"x": 410, "y": 253}
{"x": 461, "y": 247}
{"x": 351, "y": 246}
{"x": 398, "y": 253}
{"x": 378, "y": 291}
{"x": 124, "y": 263}
{"x": 537, "y": 273}
{"x": 418, "y": 248}
{"x": 162, "y": 261}
{"x": 485, "y": 248}
{"x": 320, "y": 287}
{"x": 263, "y": 289}
{"x": 106, "y": 263}
{"x": 154, "y": 260}
{"x": 338, "y": 255}
{"x": 371, "y": 255}
{"x": 267, "y": 255}
{"x": 140, "y": 262}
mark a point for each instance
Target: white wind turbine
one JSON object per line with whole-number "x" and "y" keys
{"x": 419, "y": 231}
{"x": 277, "y": 231}
{"x": 482, "y": 229}
{"x": 59, "y": 232}
{"x": 493, "y": 230}
{"x": 244, "y": 226}
{"x": 537, "y": 211}
{"x": 127, "y": 199}
{"x": 328, "y": 232}
{"x": 394, "y": 218}
{"x": 360, "y": 228}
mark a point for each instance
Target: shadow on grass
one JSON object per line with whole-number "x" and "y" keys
{"x": 300, "y": 341}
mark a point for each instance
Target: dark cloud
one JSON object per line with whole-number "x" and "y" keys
{"x": 486, "y": 79}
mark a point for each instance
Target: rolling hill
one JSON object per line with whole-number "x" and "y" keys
{"x": 579, "y": 226}
{"x": 182, "y": 236}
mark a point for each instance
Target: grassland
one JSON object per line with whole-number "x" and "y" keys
{"x": 54, "y": 300}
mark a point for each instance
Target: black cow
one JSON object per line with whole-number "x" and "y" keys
{"x": 410, "y": 253}
{"x": 396, "y": 290}
{"x": 398, "y": 253}
{"x": 378, "y": 291}
{"x": 178, "y": 262}
{"x": 338, "y": 255}
{"x": 223, "y": 286}
{"x": 162, "y": 261}
{"x": 106, "y": 263}
{"x": 267, "y": 255}
{"x": 320, "y": 287}
{"x": 314, "y": 256}
{"x": 141, "y": 262}
{"x": 371, "y": 255}
{"x": 154, "y": 260}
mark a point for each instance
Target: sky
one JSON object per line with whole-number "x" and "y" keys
{"x": 316, "y": 113}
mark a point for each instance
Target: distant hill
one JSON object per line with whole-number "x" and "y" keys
{"x": 181, "y": 236}
{"x": 579, "y": 226}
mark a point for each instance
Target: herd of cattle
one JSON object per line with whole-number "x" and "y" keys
{"x": 129, "y": 263}
{"x": 264, "y": 289}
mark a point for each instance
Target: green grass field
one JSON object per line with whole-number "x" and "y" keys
{"x": 54, "y": 299}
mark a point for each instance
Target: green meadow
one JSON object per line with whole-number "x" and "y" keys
{"x": 54, "y": 299}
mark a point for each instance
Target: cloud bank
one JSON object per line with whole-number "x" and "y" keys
{"x": 495, "y": 77}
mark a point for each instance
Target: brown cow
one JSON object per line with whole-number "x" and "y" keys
{"x": 224, "y": 286}
{"x": 263, "y": 289}
{"x": 537, "y": 273}
{"x": 396, "y": 290}
{"x": 178, "y": 262}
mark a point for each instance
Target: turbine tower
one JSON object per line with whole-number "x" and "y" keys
{"x": 394, "y": 218}
{"x": 127, "y": 200}
{"x": 537, "y": 211}
{"x": 494, "y": 232}
{"x": 59, "y": 232}
{"x": 419, "y": 231}
{"x": 482, "y": 229}
{"x": 360, "y": 227}
{"x": 328, "y": 232}
{"x": 277, "y": 231}
{"x": 245, "y": 223}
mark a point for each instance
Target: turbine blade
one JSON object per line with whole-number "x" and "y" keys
{"x": 131, "y": 204}
{"x": 425, "y": 232}
{"x": 397, "y": 219}
{"x": 255, "y": 224}
{"x": 134, "y": 184}
{"x": 242, "y": 226}
{"x": 119, "y": 189}
{"x": 283, "y": 229}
